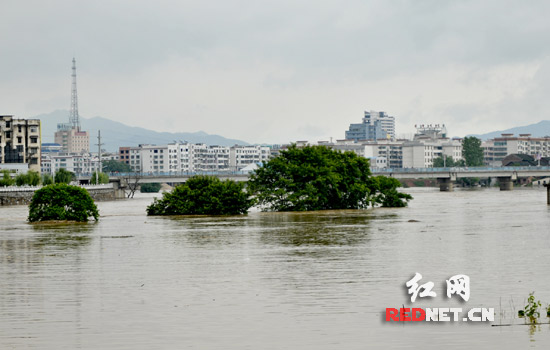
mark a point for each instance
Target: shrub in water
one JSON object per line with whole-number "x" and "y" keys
{"x": 62, "y": 202}
{"x": 203, "y": 195}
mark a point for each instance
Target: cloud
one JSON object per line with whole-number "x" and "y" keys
{"x": 268, "y": 71}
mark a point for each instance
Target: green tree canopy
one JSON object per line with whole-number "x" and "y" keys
{"x": 150, "y": 187}
{"x": 472, "y": 151}
{"x": 203, "y": 195}
{"x": 387, "y": 195}
{"x": 62, "y": 202}
{"x": 6, "y": 178}
{"x": 114, "y": 166}
{"x": 315, "y": 178}
{"x": 31, "y": 178}
{"x": 449, "y": 162}
{"x": 47, "y": 179}
{"x": 64, "y": 176}
{"x": 103, "y": 178}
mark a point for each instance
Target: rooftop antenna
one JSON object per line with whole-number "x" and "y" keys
{"x": 74, "y": 119}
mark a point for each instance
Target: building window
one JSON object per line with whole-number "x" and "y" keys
{"x": 34, "y": 139}
{"x": 19, "y": 139}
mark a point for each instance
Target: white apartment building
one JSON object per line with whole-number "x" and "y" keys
{"x": 496, "y": 149}
{"x": 391, "y": 151}
{"x": 417, "y": 154}
{"x": 430, "y": 142}
{"x": 78, "y": 164}
{"x": 189, "y": 157}
{"x": 241, "y": 156}
{"x": 380, "y": 153}
{"x": 155, "y": 159}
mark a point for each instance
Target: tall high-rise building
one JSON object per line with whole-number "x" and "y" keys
{"x": 20, "y": 141}
{"x": 375, "y": 126}
{"x": 69, "y": 135}
{"x": 387, "y": 122}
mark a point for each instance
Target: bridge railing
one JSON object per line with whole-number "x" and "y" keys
{"x": 171, "y": 174}
{"x": 34, "y": 188}
{"x": 461, "y": 169}
{"x": 380, "y": 171}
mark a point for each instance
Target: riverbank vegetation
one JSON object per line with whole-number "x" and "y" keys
{"x": 203, "y": 195}
{"x": 62, "y": 202}
{"x": 6, "y": 179}
{"x": 64, "y": 176}
{"x": 30, "y": 178}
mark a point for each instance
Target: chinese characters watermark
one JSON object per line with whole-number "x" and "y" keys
{"x": 457, "y": 284}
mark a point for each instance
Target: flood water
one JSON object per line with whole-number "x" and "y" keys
{"x": 275, "y": 280}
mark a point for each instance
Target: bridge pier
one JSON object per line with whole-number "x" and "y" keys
{"x": 505, "y": 183}
{"x": 445, "y": 184}
{"x": 547, "y": 193}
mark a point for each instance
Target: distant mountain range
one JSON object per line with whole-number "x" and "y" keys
{"x": 539, "y": 129}
{"x": 115, "y": 134}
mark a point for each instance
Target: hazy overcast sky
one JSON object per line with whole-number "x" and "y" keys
{"x": 277, "y": 71}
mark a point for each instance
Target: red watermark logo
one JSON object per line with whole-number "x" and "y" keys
{"x": 456, "y": 285}
{"x": 442, "y": 314}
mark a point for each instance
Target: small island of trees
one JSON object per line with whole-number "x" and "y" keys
{"x": 203, "y": 195}
{"x": 62, "y": 202}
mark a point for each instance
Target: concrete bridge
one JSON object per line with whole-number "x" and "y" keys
{"x": 445, "y": 176}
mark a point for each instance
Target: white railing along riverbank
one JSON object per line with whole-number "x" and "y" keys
{"x": 34, "y": 188}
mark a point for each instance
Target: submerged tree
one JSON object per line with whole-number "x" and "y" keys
{"x": 387, "y": 195}
{"x": 318, "y": 178}
{"x": 203, "y": 195}
{"x": 153, "y": 187}
{"x": 62, "y": 202}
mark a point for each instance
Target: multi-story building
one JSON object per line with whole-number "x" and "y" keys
{"x": 387, "y": 122}
{"x": 154, "y": 159}
{"x": 20, "y": 142}
{"x": 75, "y": 163}
{"x": 50, "y": 148}
{"x": 495, "y": 150}
{"x": 189, "y": 157}
{"x": 241, "y": 156}
{"x": 374, "y": 126}
{"x": 382, "y": 154}
{"x": 72, "y": 140}
{"x": 391, "y": 151}
{"x": 430, "y": 142}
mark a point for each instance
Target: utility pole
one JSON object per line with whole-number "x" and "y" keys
{"x": 99, "y": 144}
